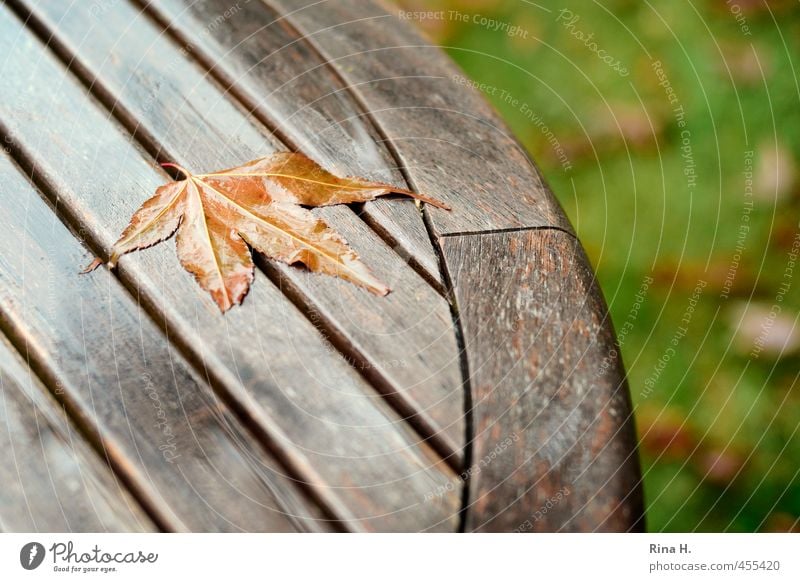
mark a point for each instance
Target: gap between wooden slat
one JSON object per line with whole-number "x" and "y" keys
{"x": 511, "y": 229}
{"x": 469, "y": 416}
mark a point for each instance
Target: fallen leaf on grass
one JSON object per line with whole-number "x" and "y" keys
{"x": 260, "y": 204}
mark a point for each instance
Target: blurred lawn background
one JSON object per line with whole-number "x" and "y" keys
{"x": 682, "y": 182}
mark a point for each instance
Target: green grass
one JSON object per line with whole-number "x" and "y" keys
{"x": 627, "y": 195}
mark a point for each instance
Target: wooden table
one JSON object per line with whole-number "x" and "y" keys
{"x": 485, "y": 393}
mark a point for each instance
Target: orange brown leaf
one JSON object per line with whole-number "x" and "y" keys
{"x": 260, "y": 204}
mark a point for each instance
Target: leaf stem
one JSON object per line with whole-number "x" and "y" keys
{"x": 422, "y": 198}
{"x": 181, "y": 169}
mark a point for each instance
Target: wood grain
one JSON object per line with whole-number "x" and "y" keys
{"x": 284, "y": 82}
{"x": 52, "y": 481}
{"x": 554, "y": 446}
{"x": 315, "y": 369}
{"x": 161, "y": 428}
{"x": 328, "y": 426}
{"x": 449, "y": 139}
{"x": 405, "y": 341}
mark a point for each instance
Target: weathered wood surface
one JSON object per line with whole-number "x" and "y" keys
{"x": 553, "y": 446}
{"x": 314, "y": 405}
{"x": 164, "y": 432}
{"x": 52, "y": 481}
{"x": 413, "y": 361}
{"x": 418, "y": 98}
{"x": 326, "y": 424}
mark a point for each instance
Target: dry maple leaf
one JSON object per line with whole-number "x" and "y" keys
{"x": 259, "y": 204}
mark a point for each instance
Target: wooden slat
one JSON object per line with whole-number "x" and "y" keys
{"x": 450, "y": 140}
{"x": 285, "y": 83}
{"x": 351, "y": 451}
{"x": 163, "y": 430}
{"x": 554, "y": 439}
{"x": 404, "y": 343}
{"x": 51, "y": 480}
